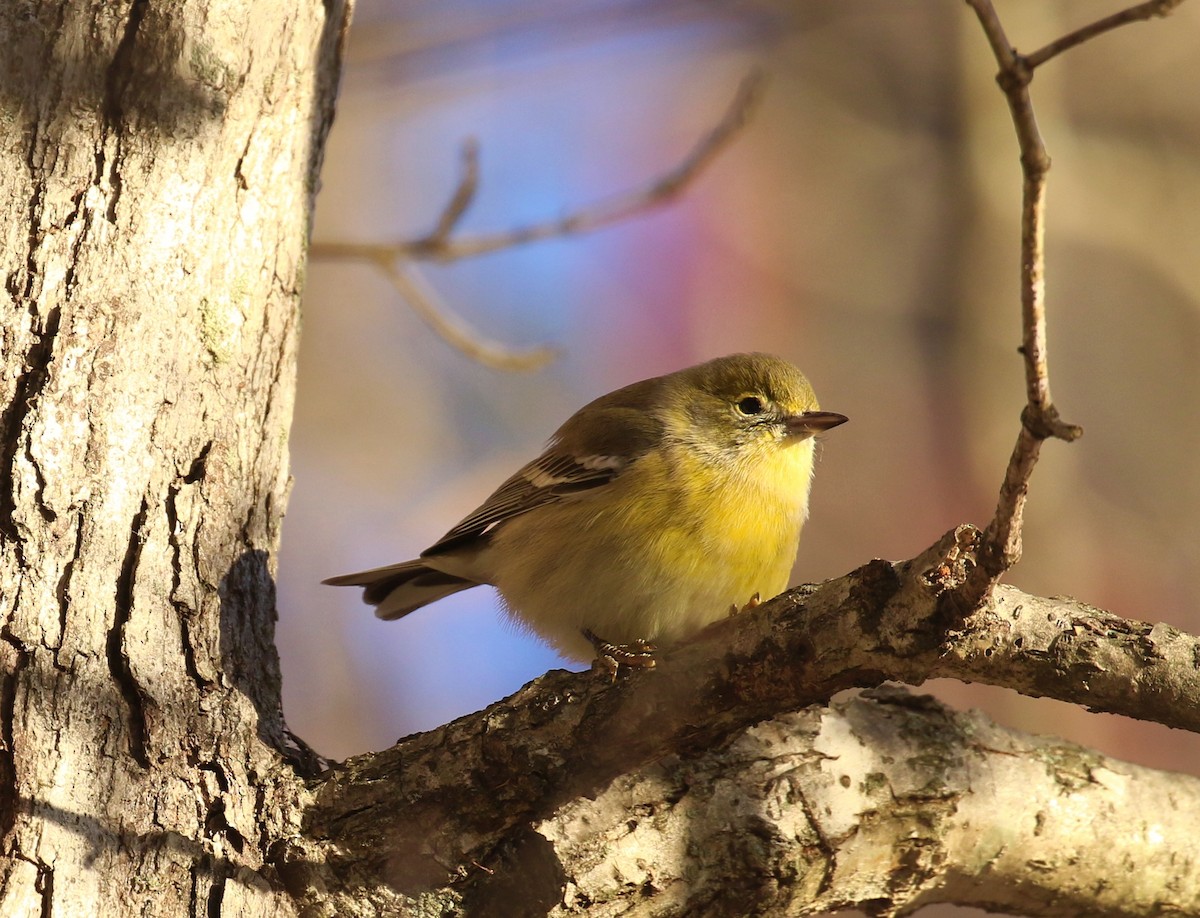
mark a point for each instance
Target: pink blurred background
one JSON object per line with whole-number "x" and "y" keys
{"x": 864, "y": 226}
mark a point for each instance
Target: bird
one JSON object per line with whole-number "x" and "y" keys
{"x": 653, "y": 511}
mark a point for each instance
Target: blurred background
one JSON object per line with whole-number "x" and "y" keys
{"x": 865, "y": 226}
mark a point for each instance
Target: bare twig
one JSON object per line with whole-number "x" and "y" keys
{"x": 662, "y": 190}
{"x": 1139, "y": 13}
{"x": 442, "y": 245}
{"x": 1040, "y": 421}
{"x": 428, "y": 305}
{"x": 463, "y": 197}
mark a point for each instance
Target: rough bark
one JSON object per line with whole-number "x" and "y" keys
{"x": 157, "y": 169}
{"x": 887, "y": 803}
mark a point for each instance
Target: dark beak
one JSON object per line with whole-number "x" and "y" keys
{"x": 813, "y": 422}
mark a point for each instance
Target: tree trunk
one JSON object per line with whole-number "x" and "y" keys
{"x": 158, "y": 168}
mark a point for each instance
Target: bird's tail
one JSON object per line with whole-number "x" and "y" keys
{"x": 398, "y": 589}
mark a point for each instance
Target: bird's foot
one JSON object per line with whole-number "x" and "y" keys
{"x": 611, "y": 657}
{"x": 755, "y": 601}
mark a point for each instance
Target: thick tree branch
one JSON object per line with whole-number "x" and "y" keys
{"x": 885, "y": 802}
{"x": 438, "y": 802}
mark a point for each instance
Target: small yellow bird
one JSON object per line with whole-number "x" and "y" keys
{"x": 654, "y": 510}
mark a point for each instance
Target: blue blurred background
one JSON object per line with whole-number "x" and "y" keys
{"x": 864, "y": 226}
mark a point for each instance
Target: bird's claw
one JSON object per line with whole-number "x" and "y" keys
{"x": 611, "y": 657}
{"x": 754, "y": 602}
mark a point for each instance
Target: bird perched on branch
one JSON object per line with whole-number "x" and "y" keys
{"x": 654, "y": 510}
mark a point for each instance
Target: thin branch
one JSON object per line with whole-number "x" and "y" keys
{"x": 1139, "y": 13}
{"x": 464, "y": 194}
{"x": 993, "y": 29}
{"x": 660, "y": 191}
{"x": 1040, "y": 419}
{"x": 443, "y": 246}
{"x": 455, "y": 331}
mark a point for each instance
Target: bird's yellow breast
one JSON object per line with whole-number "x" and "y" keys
{"x": 751, "y": 515}
{"x": 667, "y": 547}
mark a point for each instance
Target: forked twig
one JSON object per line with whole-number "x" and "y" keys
{"x": 442, "y": 245}
{"x": 1001, "y": 544}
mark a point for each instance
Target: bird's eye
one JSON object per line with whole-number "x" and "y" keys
{"x": 750, "y": 405}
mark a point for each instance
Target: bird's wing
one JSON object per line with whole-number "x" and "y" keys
{"x": 549, "y": 478}
{"x": 595, "y": 445}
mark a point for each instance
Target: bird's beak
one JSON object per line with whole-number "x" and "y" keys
{"x": 813, "y": 422}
